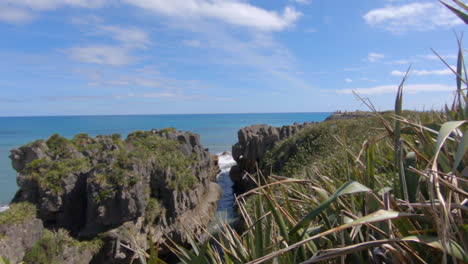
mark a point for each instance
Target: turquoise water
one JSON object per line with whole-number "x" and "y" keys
{"x": 218, "y": 131}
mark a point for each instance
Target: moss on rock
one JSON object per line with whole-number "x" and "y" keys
{"x": 18, "y": 213}
{"x": 53, "y": 246}
{"x": 49, "y": 173}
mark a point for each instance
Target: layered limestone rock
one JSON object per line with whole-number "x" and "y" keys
{"x": 153, "y": 184}
{"x": 19, "y": 231}
{"x": 253, "y": 143}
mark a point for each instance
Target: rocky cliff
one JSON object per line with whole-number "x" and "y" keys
{"x": 348, "y": 115}
{"x": 152, "y": 184}
{"x": 253, "y": 143}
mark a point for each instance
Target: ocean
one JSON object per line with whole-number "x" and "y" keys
{"x": 218, "y": 133}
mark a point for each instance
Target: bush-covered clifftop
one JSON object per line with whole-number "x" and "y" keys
{"x": 121, "y": 191}
{"x": 308, "y": 147}
{"x": 254, "y": 142}
{"x": 359, "y": 190}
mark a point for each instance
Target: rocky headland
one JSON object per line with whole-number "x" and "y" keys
{"x": 98, "y": 200}
{"x": 340, "y": 115}
{"x": 253, "y": 143}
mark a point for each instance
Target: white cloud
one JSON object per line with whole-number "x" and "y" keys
{"x": 14, "y": 15}
{"x": 129, "y": 37}
{"x": 54, "y": 4}
{"x": 367, "y": 79}
{"x": 192, "y": 43}
{"x": 373, "y": 57}
{"x": 303, "y": 2}
{"x": 21, "y": 11}
{"x": 424, "y": 72}
{"x": 384, "y": 89}
{"x": 233, "y": 12}
{"x": 169, "y": 96}
{"x": 101, "y": 54}
{"x": 419, "y": 16}
{"x": 158, "y": 95}
{"x": 127, "y": 40}
{"x": 348, "y": 80}
{"x": 400, "y": 62}
{"x": 435, "y": 57}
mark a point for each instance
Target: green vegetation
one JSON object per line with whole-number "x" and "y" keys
{"x": 59, "y": 147}
{"x": 167, "y": 156}
{"x": 390, "y": 188}
{"x": 51, "y": 247}
{"x": 140, "y": 149}
{"x": 18, "y": 213}
{"x": 153, "y": 210}
{"x": 167, "y": 130}
{"x": 49, "y": 173}
{"x": 4, "y": 260}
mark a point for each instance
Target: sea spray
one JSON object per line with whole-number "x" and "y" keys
{"x": 225, "y": 162}
{"x": 226, "y": 203}
{"x": 3, "y": 208}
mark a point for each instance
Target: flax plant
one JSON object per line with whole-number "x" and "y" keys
{"x": 396, "y": 195}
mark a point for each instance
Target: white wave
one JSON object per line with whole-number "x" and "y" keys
{"x": 3, "y": 208}
{"x": 225, "y": 161}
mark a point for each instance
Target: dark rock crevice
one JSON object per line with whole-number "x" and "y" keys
{"x": 151, "y": 184}
{"x": 253, "y": 143}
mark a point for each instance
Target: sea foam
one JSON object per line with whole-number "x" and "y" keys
{"x": 225, "y": 161}
{"x": 3, "y": 208}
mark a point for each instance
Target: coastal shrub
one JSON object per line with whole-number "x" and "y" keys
{"x": 167, "y": 155}
{"x": 18, "y": 213}
{"x": 53, "y": 244}
{"x": 59, "y": 147}
{"x": 153, "y": 210}
{"x": 49, "y": 173}
{"x": 142, "y": 149}
{"x": 167, "y": 130}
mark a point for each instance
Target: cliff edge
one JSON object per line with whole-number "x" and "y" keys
{"x": 155, "y": 184}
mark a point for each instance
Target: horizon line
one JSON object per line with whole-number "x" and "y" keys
{"x": 104, "y": 115}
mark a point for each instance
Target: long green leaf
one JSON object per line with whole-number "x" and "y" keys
{"x": 444, "y": 132}
{"x": 397, "y": 179}
{"x": 434, "y": 242}
{"x": 460, "y": 63}
{"x": 463, "y": 16}
{"x": 379, "y": 216}
{"x": 278, "y": 218}
{"x": 347, "y": 188}
{"x": 258, "y": 228}
{"x": 462, "y": 5}
{"x": 4, "y": 260}
{"x": 337, "y": 252}
{"x": 462, "y": 148}
{"x": 453, "y": 248}
{"x": 412, "y": 178}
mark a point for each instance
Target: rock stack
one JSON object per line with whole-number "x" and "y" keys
{"x": 125, "y": 193}
{"x": 253, "y": 143}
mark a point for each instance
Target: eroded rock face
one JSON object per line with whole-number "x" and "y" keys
{"x": 17, "y": 237}
{"x": 253, "y": 143}
{"x": 155, "y": 182}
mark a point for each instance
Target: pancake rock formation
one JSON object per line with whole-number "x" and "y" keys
{"x": 115, "y": 194}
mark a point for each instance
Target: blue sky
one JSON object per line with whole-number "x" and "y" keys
{"x": 100, "y": 57}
